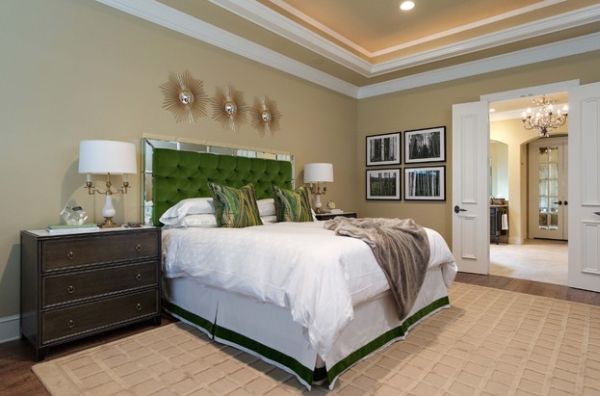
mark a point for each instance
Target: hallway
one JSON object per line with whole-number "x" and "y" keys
{"x": 537, "y": 259}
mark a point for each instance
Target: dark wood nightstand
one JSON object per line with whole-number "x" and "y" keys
{"x": 76, "y": 285}
{"x": 328, "y": 215}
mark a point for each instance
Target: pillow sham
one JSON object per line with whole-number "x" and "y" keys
{"x": 292, "y": 205}
{"x": 235, "y": 207}
{"x": 189, "y": 206}
{"x": 266, "y": 207}
{"x": 200, "y": 220}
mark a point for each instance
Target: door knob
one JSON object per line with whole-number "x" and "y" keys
{"x": 458, "y": 209}
{"x": 597, "y": 213}
{"x": 558, "y": 203}
{"x": 566, "y": 203}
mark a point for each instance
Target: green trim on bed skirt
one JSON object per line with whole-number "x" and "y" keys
{"x": 383, "y": 339}
{"x": 218, "y": 331}
{"x": 189, "y": 316}
{"x": 302, "y": 371}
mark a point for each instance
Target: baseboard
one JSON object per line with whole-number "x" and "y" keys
{"x": 9, "y": 328}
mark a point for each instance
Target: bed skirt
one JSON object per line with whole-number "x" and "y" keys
{"x": 268, "y": 332}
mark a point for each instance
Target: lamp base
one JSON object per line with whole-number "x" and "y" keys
{"x": 108, "y": 223}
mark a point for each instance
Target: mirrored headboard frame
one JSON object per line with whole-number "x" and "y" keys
{"x": 149, "y": 144}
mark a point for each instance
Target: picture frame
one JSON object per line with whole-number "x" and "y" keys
{"x": 383, "y": 184}
{"x": 425, "y": 183}
{"x": 425, "y": 145}
{"x": 384, "y": 149}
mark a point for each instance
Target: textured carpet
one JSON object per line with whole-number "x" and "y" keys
{"x": 490, "y": 342}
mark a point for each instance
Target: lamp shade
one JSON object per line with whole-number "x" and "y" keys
{"x": 318, "y": 172}
{"x": 107, "y": 156}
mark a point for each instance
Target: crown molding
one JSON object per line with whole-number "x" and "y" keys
{"x": 266, "y": 18}
{"x": 170, "y": 18}
{"x": 546, "y": 52}
{"x": 273, "y": 21}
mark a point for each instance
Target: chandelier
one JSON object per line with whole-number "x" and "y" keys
{"x": 544, "y": 117}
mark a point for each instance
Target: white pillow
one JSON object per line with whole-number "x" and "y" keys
{"x": 269, "y": 219}
{"x": 201, "y": 220}
{"x": 185, "y": 207}
{"x": 266, "y": 207}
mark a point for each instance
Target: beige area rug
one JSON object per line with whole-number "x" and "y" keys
{"x": 490, "y": 342}
{"x": 536, "y": 259}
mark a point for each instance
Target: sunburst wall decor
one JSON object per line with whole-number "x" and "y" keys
{"x": 184, "y": 97}
{"x": 229, "y": 107}
{"x": 265, "y": 116}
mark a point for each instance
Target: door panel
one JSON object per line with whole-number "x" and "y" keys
{"x": 548, "y": 188}
{"x": 470, "y": 219}
{"x": 584, "y": 187}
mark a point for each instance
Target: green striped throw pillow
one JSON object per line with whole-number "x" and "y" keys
{"x": 292, "y": 205}
{"x": 235, "y": 207}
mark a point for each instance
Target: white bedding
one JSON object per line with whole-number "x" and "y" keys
{"x": 292, "y": 265}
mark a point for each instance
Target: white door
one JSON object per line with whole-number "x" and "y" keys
{"x": 584, "y": 187}
{"x": 548, "y": 199}
{"x": 470, "y": 213}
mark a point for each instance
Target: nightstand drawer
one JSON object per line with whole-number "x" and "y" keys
{"x": 85, "y": 318}
{"x": 76, "y": 252}
{"x": 69, "y": 287}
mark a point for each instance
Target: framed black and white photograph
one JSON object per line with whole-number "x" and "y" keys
{"x": 383, "y": 149}
{"x": 425, "y": 184}
{"x": 383, "y": 184}
{"x": 425, "y": 145}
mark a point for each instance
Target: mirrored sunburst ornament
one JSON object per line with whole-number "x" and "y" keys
{"x": 229, "y": 107}
{"x": 265, "y": 116}
{"x": 184, "y": 97}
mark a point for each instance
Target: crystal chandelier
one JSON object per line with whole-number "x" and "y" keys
{"x": 545, "y": 117}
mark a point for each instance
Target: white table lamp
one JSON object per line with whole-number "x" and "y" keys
{"x": 315, "y": 174}
{"x": 107, "y": 157}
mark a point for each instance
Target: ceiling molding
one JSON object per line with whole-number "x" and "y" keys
{"x": 559, "y": 49}
{"x": 266, "y": 18}
{"x": 163, "y": 15}
{"x": 275, "y": 22}
{"x": 170, "y": 18}
{"x": 469, "y": 26}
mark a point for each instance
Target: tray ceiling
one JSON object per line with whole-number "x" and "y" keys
{"x": 360, "y": 43}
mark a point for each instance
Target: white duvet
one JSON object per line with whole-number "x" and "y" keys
{"x": 300, "y": 266}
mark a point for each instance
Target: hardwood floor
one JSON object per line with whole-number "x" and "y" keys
{"x": 531, "y": 287}
{"x": 16, "y": 357}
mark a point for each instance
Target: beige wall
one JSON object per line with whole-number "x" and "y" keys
{"x": 432, "y": 106}
{"x": 512, "y": 133}
{"x": 498, "y": 169}
{"x": 74, "y": 70}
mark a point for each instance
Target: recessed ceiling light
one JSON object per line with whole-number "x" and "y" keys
{"x": 407, "y": 5}
{"x": 492, "y": 110}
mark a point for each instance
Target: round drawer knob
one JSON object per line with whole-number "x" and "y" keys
{"x": 71, "y": 324}
{"x": 138, "y": 248}
{"x": 70, "y": 289}
{"x": 138, "y": 307}
{"x": 138, "y": 277}
{"x": 70, "y": 255}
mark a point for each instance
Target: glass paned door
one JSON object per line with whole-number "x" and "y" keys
{"x": 548, "y": 193}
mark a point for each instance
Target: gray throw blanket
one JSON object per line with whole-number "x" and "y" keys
{"x": 401, "y": 248}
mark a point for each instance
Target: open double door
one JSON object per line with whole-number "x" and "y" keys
{"x": 470, "y": 153}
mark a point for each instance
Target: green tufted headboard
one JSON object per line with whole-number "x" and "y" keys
{"x": 177, "y": 175}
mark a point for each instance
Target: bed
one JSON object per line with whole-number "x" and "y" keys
{"x": 304, "y": 300}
